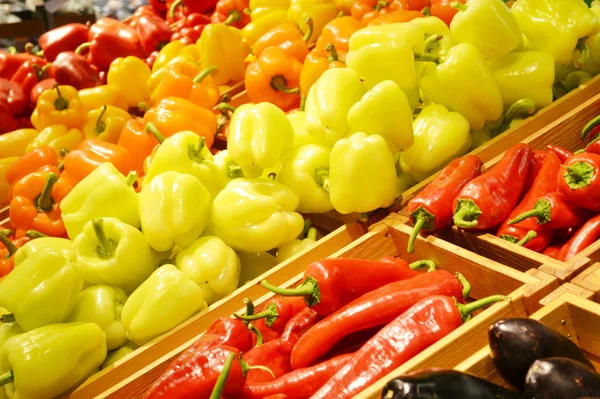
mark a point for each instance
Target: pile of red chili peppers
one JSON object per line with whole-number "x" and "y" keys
{"x": 545, "y": 200}
{"x": 331, "y": 337}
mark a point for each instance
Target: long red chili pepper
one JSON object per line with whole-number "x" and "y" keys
{"x": 535, "y": 165}
{"x": 487, "y": 200}
{"x": 594, "y": 146}
{"x": 562, "y": 153}
{"x": 553, "y": 250}
{"x": 425, "y": 323}
{"x": 182, "y": 372}
{"x": 376, "y": 308}
{"x": 525, "y": 231}
{"x": 585, "y": 236}
{"x": 298, "y": 384}
{"x": 299, "y": 325}
{"x": 579, "y": 181}
{"x": 431, "y": 210}
{"x": 331, "y": 283}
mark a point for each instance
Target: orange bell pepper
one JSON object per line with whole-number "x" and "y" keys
{"x": 274, "y": 77}
{"x": 92, "y": 153}
{"x": 31, "y": 162}
{"x": 139, "y": 141}
{"x": 188, "y": 81}
{"x": 172, "y": 115}
{"x": 36, "y": 203}
{"x": 338, "y": 32}
{"x": 10, "y": 246}
{"x": 317, "y": 62}
{"x": 368, "y": 10}
{"x": 232, "y": 13}
{"x": 289, "y": 37}
{"x": 396, "y": 16}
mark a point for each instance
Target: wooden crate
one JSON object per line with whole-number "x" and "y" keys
{"x": 569, "y": 314}
{"x": 590, "y": 280}
{"x": 131, "y": 378}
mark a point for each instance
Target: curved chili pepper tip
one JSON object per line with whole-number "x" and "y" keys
{"x": 531, "y": 234}
{"x": 220, "y": 384}
{"x": 541, "y": 211}
{"x": 7, "y": 318}
{"x": 466, "y": 291}
{"x": 466, "y": 309}
{"x": 423, "y": 263}
{"x": 590, "y": 126}
{"x": 466, "y": 214}
{"x": 270, "y": 315}
{"x": 309, "y": 289}
{"x": 6, "y": 378}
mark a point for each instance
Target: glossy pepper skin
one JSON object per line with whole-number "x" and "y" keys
{"x": 14, "y": 143}
{"x": 79, "y": 347}
{"x": 153, "y": 32}
{"x": 288, "y": 36}
{"x": 174, "y": 210}
{"x": 431, "y": 209}
{"x": 232, "y": 12}
{"x": 43, "y": 289}
{"x": 165, "y": 300}
{"x": 107, "y": 46}
{"x": 57, "y": 137}
{"x": 351, "y": 187}
{"x": 224, "y": 331}
{"x": 211, "y": 264}
{"x": 188, "y": 81}
{"x": 444, "y": 10}
{"x": 487, "y": 200}
{"x": 317, "y": 62}
{"x": 128, "y": 75}
{"x": 40, "y": 244}
{"x": 29, "y": 74}
{"x": 13, "y": 96}
{"x": 96, "y": 97}
{"x": 320, "y": 12}
{"x": 273, "y": 222}
{"x": 138, "y": 142}
{"x": 105, "y": 123}
{"x": 555, "y": 26}
{"x": 61, "y": 106}
{"x": 422, "y": 325}
{"x": 92, "y": 153}
{"x": 31, "y": 162}
{"x": 11, "y": 61}
{"x": 583, "y": 238}
{"x": 5, "y": 163}
{"x": 102, "y": 305}
{"x": 578, "y": 180}
{"x": 72, "y": 69}
{"x": 267, "y": 355}
{"x": 274, "y": 77}
{"x": 375, "y": 308}
{"x": 64, "y": 38}
{"x": 222, "y": 46}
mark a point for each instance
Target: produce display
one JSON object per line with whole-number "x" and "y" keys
{"x": 150, "y": 167}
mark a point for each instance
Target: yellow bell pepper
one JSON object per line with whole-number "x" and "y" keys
{"x": 95, "y": 97}
{"x": 173, "y": 50}
{"x": 344, "y": 5}
{"x": 319, "y": 11}
{"x": 129, "y": 76}
{"x": 105, "y": 123}
{"x": 37, "y": 121}
{"x": 260, "y": 8}
{"x": 60, "y": 106}
{"x": 257, "y": 28}
{"x": 57, "y": 137}
{"x": 189, "y": 55}
{"x": 223, "y": 46}
{"x": 4, "y": 186}
{"x": 13, "y": 144}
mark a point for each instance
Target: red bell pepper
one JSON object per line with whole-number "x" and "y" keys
{"x": 425, "y": 323}
{"x": 579, "y": 181}
{"x": 10, "y": 62}
{"x": 190, "y": 27}
{"x": 297, "y": 384}
{"x": 64, "y": 38}
{"x": 562, "y": 153}
{"x": 12, "y": 94}
{"x": 585, "y": 236}
{"x": 229, "y": 10}
{"x": 159, "y": 5}
{"x": 443, "y": 9}
{"x": 376, "y": 308}
{"x": 487, "y": 200}
{"x": 332, "y": 283}
{"x": 431, "y": 210}
{"x": 188, "y": 7}
{"x": 41, "y": 87}
{"x": 75, "y": 70}
{"x": 107, "y": 46}
{"x": 112, "y": 25}
{"x": 186, "y": 369}
{"x": 133, "y": 20}
{"x": 31, "y": 73}
{"x": 8, "y": 122}
{"x": 153, "y": 32}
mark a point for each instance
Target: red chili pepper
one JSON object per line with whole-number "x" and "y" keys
{"x": 268, "y": 356}
{"x": 13, "y": 95}
{"x": 585, "y": 236}
{"x": 553, "y": 250}
{"x": 107, "y": 46}
{"x": 159, "y": 5}
{"x": 376, "y": 308}
{"x": 443, "y": 10}
{"x": 188, "y": 366}
{"x": 296, "y": 328}
{"x": 332, "y": 283}
{"x": 64, "y": 38}
{"x": 29, "y": 74}
{"x": 579, "y": 181}
{"x": 188, "y": 7}
{"x": 594, "y": 146}
{"x": 562, "y": 153}
{"x": 10, "y": 62}
{"x": 298, "y": 384}
{"x": 104, "y": 25}
{"x": 75, "y": 70}
{"x": 537, "y": 159}
{"x": 39, "y": 88}
{"x": 431, "y": 209}
{"x": 526, "y": 231}
{"x": 425, "y": 323}
{"x": 487, "y": 200}
{"x": 153, "y": 32}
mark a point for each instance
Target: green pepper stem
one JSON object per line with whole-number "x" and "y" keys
{"x": 591, "y": 125}
{"x": 6, "y": 232}
{"x": 256, "y": 331}
{"x": 413, "y": 236}
{"x": 220, "y": 384}
{"x": 309, "y": 289}
{"x": 466, "y": 309}
{"x": 35, "y": 234}
{"x": 175, "y": 4}
{"x": 205, "y": 73}
{"x": 143, "y": 107}
{"x": 82, "y": 47}
{"x": 151, "y": 128}
{"x": 6, "y": 378}
{"x": 302, "y": 102}
{"x": 423, "y": 263}
{"x": 541, "y": 211}
{"x": 249, "y": 306}
{"x": 7, "y": 318}
{"x": 98, "y": 225}
{"x": 528, "y": 237}
{"x": 234, "y": 170}
{"x": 312, "y": 234}
{"x": 467, "y": 215}
{"x": 579, "y": 175}
{"x": 45, "y": 201}
{"x": 234, "y": 16}
{"x": 466, "y": 291}
{"x": 322, "y": 178}
{"x": 520, "y": 109}
{"x": 12, "y": 50}
{"x": 380, "y": 5}
{"x": 100, "y": 125}
{"x": 340, "y": 14}
{"x": 279, "y": 83}
{"x": 431, "y": 43}
{"x": 60, "y": 103}
{"x": 459, "y": 6}
{"x": 426, "y": 57}
{"x": 306, "y": 228}
{"x": 270, "y": 315}
{"x": 131, "y": 177}
{"x": 426, "y": 11}
{"x": 224, "y": 108}
{"x": 309, "y": 29}
{"x": 332, "y": 54}
{"x": 246, "y": 367}
{"x": 10, "y": 246}
{"x": 584, "y": 53}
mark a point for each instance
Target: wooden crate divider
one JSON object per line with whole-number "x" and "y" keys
{"x": 569, "y": 314}
{"x": 387, "y": 238}
{"x": 590, "y": 280}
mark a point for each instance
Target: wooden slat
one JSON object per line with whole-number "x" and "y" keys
{"x": 567, "y": 287}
